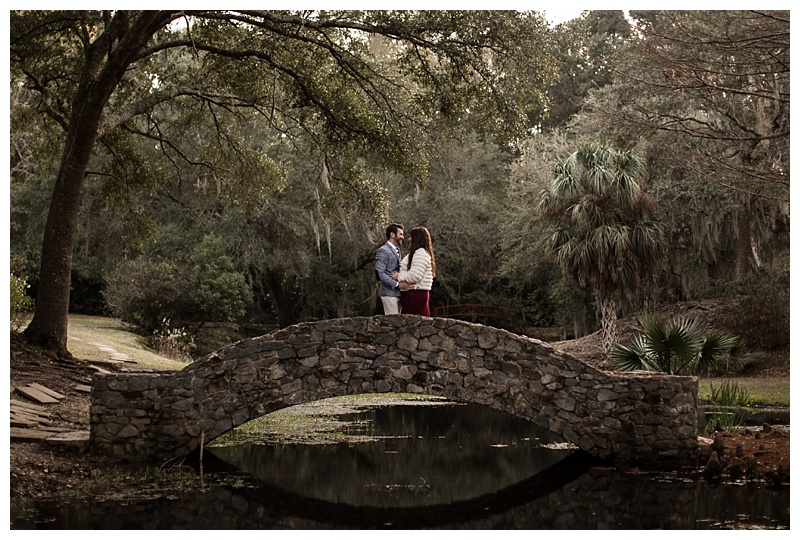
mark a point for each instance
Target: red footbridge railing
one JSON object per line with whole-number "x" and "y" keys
{"x": 473, "y": 312}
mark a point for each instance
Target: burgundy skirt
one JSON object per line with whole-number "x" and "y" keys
{"x": 415, "y": 303}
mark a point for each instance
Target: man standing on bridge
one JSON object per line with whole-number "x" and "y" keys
{"x": 387, "y": 261}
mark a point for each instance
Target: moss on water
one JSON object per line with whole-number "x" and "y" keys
{"x": 319, "y": 422}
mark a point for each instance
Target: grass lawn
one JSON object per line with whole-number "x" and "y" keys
{"x": 766, "y": 391}
{"x": 89, "y": 338}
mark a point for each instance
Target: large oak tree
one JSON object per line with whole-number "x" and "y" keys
{"x": 359, "y": 83}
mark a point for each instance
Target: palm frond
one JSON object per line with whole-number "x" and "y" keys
{"x": 623, "y": 358}
{"x": 627, "y": 190}
{"x": 716, "y": 346}
{"x": 566, "y": 184}
{"x": 684, "y": 336}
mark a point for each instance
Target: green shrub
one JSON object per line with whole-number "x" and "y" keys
{"x": 144, "y": 292}
{"x": 221, "y": 294}
{"x": 734, "y": 399}
{"x": 203, "y": 289}
{"x": 725, "y": 420}
{"x": 21, "y": 303}
{"x": 730, "y": 394}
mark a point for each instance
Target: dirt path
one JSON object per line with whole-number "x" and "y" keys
{"x": 101, "y": 338}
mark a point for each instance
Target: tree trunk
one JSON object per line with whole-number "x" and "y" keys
{"x": 756, "y": 255}
{"x": 744, "y": 248}
{"x": 282, "y": 299}
{"x": 48, "y": 329}
{"x": 608, "y": 308}
{"x": 107, "y": 58}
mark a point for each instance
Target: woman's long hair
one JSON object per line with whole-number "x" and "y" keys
{"x": 421, "y": 238}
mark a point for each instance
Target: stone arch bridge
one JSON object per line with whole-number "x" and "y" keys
{"x": 621, "y": 417}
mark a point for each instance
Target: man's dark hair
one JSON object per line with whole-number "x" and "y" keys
{"x": 393, "y": 229}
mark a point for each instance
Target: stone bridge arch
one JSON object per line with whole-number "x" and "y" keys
{"x": 621, "y": 417}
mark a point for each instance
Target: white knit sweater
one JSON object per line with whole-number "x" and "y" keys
{"x": 420, "y": 275}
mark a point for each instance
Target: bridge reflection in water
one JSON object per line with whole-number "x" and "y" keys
{"x": 414, "y": 456}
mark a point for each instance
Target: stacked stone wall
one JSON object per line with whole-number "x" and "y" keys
{"x": 624, "y": 417}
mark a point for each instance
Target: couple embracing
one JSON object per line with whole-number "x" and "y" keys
{"x": 406, "y": 281}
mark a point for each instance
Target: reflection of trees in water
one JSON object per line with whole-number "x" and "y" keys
{"x": 602, "y": 499}
{"x": 566, "y": 496}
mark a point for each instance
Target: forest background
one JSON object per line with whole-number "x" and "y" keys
{"x": 259, "y": 224}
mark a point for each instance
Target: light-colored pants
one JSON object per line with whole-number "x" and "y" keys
{"x": 391, "y": 305}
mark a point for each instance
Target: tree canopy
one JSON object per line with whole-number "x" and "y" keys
{"x": 280, "y": 143}
{"x": 703, "y": 96}
{"x": 357, "y": 83}
{"x": 727, "y": 74}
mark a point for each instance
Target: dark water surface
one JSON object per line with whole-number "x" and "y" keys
{"x": 449, "y": 467}
{"x": 414, "y": 456}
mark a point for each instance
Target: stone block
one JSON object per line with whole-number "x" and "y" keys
{"x": 385, "y": 338}
{"x": 285, "y": 354}
{"x": 127, "y": 432}
{"x": 487, "y": 340}
{"x": 310, "y": 361}
{"x": 407, "y": 343}
{"x": 332, "y": 337}
{"x": 119, "y": 384}
{"x": 306, "y": 352}
{"x": 565, "y": 404}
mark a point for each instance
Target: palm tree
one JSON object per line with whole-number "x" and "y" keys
{"x": 604, "y": 239}
{"x": 676, "y": 348}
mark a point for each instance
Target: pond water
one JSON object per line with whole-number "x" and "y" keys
{"x": 407, "y": 456}
{"x": 449, "y": 466}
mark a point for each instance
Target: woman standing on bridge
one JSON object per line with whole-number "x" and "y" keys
{"x": 417, "y": 270}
